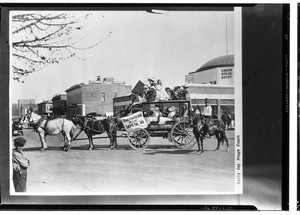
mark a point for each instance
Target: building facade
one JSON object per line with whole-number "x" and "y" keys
{"x": 59, "y": 105}
{"x": 96, "y": 96}
{"x": 215, "y": 81}
{"x": 45, "y": 108}
{"x": 121, "y": 103}
{"x": 218, "y": 71}
{"x": 23, "y": 106}
{"x": 221, "y": 98}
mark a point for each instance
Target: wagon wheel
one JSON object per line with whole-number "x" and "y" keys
{"x": 182, "y": 135}
{"x": 139, "y": 138}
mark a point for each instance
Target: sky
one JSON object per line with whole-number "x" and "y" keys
{"x": 166, "y": 46}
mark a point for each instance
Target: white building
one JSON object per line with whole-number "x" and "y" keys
{"x": 218, "y": 71}
{"x": 215, "y": 81}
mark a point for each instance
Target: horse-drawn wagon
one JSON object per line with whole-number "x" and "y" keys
{"x": 166, "y": 119}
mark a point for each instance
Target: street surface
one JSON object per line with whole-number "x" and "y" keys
{"x": 160, "y": 169}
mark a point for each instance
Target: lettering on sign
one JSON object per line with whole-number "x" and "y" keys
{"x": 226, "y": 73}
{"x": 134, "y": 121}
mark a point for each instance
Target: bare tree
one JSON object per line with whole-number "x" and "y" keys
{"x": 40, "y": 38}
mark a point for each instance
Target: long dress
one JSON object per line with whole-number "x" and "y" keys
{"x": 161, "y": 94}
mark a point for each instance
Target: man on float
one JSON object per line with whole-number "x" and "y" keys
{"x": 207, "y": 113}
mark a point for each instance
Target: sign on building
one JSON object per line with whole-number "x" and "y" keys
{"x": 189, "y": 78}
{"x": 226, "y": 73}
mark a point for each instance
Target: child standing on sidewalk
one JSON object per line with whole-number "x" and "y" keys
{"x": 20, "y": 165}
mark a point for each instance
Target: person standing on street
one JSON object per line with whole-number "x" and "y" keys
{"x": 20, "y": 165}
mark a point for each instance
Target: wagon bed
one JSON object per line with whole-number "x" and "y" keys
{"x": 177, "y": 131}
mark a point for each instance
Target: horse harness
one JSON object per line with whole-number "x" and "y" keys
{"x": 91, "y": 127}
{"x": 40, "y": 121}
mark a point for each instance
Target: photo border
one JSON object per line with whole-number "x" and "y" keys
{"x": 170, "y": 201}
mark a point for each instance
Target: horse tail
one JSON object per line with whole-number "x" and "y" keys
{"x": 72, "y": 132}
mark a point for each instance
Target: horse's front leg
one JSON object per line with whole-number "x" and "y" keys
{"x": 219, "y": 141}
{"x": 91, "y": 144}
{"x": 43, "y": 140}
{"x": 226, "y": 140}
{"x": 67, "y": 141}
{"x": 197, "y": 136}
{"x": 111, "y": 139}
{"x": 115, "y": 138}
{"x": 200, "y": 149}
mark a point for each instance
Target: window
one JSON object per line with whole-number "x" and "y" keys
{"x": 115, "y": 95}
{"x": 102, "y": 99}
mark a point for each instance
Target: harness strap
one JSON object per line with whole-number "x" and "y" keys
{"x": 39, "y": 122}
{"x": 91, "y": 128}
{"x": 62, "y": 127}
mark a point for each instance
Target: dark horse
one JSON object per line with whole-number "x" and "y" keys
{"x": 93, "y": 127}
{"x": 226, "y": 118}
{"x": 216, "y": 127}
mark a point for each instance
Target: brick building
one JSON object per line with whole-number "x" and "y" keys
{"x": 22, "y": 106}
{"x": 120, "y": 103}
{"x": 59, "y": 105}
{"x": 96, "y": 96}
{"x": 45, "y": 108}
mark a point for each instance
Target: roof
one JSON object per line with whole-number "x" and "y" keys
{"x": 222, "y": 61}
{"x": 74, "y": 87}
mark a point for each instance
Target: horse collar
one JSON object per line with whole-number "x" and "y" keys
{"x": 39, "y": 123}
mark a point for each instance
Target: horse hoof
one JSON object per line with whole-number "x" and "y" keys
{"x": 217, "y": 149}
{"x": 42, "y": 149}
{"x": 199, "y": 152}
{"x": 227, "y": 150}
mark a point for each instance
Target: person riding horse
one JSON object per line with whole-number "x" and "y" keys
{"x": 207, "y": 114}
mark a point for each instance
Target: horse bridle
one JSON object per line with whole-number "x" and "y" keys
{"x": 28, "y": 115}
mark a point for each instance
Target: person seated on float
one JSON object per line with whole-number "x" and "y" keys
{"x": 155, "y": 116}
{"x": 172, "y": 112}
{"x": 161, "y": 94}
{"x": 171, "y": 116}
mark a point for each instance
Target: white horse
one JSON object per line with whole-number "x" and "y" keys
{"x": 46, "y": 127}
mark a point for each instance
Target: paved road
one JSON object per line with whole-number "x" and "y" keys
{"x": 160, "y": 169}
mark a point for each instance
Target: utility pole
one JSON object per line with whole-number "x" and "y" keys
{"x": 226, "y": 37}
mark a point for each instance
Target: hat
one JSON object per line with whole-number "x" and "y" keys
{"x": 156, "y": 107}
{"x": 206, "y": 100}
{"x": 197, "y": 111}
{"x": 171, "y": 109}
{"x": 19, "y": 141}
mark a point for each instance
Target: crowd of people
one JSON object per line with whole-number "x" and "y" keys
{"x": 156, "y": 92}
